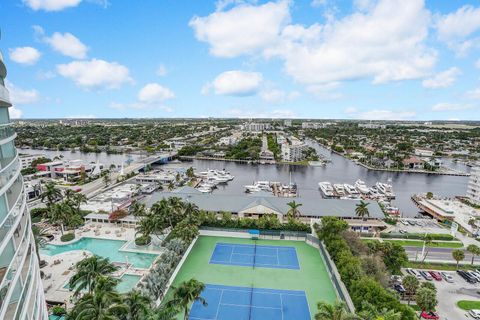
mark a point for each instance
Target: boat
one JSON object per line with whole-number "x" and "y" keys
{"x": 350, "y": 189}
{"x": 252, "y": 188}
{"x": 339, "y": 189}
{"x": 204, "y": 189}
{"x": 326, "y": 188}
{"x": 385, "y": 189}
{"x": 362, "y": 187}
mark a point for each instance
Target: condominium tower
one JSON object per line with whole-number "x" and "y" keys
{"x": 21, "y": 292}
{"x": 473, "y": 190}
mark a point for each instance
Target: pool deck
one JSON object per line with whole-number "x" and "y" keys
{"x": 61, "y": 266}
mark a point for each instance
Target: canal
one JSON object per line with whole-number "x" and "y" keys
{"x": 340, "y": 170}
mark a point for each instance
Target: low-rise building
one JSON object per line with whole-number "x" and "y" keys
{"x": 412, "y": 163}
{"x": 27, "y": 159}
{"x": 421, "y": 152}
{"x": 372, "y": 125}
{"x": 257, "y": 126}
{"x": 293, "y": 151}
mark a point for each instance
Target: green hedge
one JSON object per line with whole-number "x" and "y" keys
{"x": 67, "y": 237}
{"x": 417, "y": 236}
{"x": 58, "y": 311}
{"x": 248, "y": 223}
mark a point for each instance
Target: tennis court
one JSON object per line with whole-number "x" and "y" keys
{"x": 282, "y": 257}
{"x": 244, "y": 303}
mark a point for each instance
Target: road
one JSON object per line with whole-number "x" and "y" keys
{"x": 435, "y": 254}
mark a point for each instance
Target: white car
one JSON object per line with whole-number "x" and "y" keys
{"x": 474, "y": 313}
{"x": 447, "y": 277}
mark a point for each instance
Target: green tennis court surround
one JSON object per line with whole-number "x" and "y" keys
{"x": 312, "y": 277}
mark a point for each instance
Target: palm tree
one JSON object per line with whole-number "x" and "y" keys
{"x": 106, "y": 178}
{"x": 51, "y": 194}
{"x": 411, "y": 285}
{"x": 370, "y": 312}
{"x": 88, "y": 272}
{"x": 337, "y": 311}
{"x": 190, "y": 210}
{"x": 138, "y": 305}
{"x": 293, "y": 212}
{"x": 426, "y": 299}
{"x": 190, "y": 173}
{"x": 474, "y": 250}
{"x": 428, "y": 241}
{"x": 458, "y": 255}
{"x": 186, "y": 293}
{"x": 39, "y": 237}
{"x": 104, "y": 303}
{"x": 361, "y": 210}
{"x": 138, "y": 209}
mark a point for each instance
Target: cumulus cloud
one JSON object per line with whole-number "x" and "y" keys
{"x": 95, "y": 73}
{"x": 153, "y": 92}
{"x": 445, "y": 106}
{"x": 245, "y": 113}
{"x": 67, "y": 44}
{"x": 457, "y": 29}
{"x": 244, "y": 29}
{"x": 442, "y": 80}
{"x": 24, "y": 55}
{"x": 235, "y": 83}
{"x": 51, "y": 5}
{"x": 19, "y": 96}
{"x": 150, "y": 96}
{"x": 380, "y": 114}
{"x": 15, "y": 113}
{"x": 276, "y": 96}
{"x": 81, "y": 116}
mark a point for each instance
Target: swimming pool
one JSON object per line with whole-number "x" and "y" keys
{"x": 104, "y": 248}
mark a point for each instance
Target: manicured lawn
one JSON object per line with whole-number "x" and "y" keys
{"x": 419, "y": 243}
{"x": 313, "y": 277}
{"x": 438, "y": 266}
{"x": 468, "y": 304}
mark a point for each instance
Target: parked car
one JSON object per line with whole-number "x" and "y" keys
{"x": 396, "y": 279}
{"x": 474, "y": 313}
{"x": 426, "y": 275}
{"x": 431, "y": 315}
{"x": 475, "y": 275}
{"x": 399, "y": 288}
{"x": 467, "y": 277}
{"x": 435, "y": 275}
{"x": 405, "y": 222}
{"x": 447, "y": 277}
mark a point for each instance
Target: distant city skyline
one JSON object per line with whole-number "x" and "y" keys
{"x": 325, "y": 59}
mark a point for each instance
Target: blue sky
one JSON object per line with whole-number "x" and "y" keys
{"x": 360, "y": 59}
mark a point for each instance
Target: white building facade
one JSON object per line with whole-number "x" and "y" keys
{"x": 473, "y": 190}
{"x": 21, "y": 291}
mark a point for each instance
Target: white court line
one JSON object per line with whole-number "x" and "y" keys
{"x": 219, "y": 303}
{"x": 281, "y": 304}
{"x": 259, "y": 290}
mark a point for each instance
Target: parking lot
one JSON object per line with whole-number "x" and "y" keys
{"x": 448, "y": 294}
{"x": 420, "y": 226}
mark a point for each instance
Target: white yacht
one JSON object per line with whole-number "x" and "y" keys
{"x": 258, "y": 186}
{"x": 326, "y": 188}
{"x": 339, "y": 189}
{"x": 350, "y": 189}
{"x": 252, "y": 188}
{"x": 385, "y": 189}
{"x": 204, "y": 189}
{"x": 362, "y": 187}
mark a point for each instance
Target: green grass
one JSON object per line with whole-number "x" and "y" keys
{"x": 313, "y": 277}
{"x": 438, "y": 266}
{"x": 468, "y": 304}
{"x": 419, "y": 243}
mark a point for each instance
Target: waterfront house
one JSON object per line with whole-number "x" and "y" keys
{"x": 412, "y": 163}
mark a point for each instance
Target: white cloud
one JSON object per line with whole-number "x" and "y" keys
{"x": 244, "y": 29}
{"x": 276, "y": 96}
{"x": 235, "y": 83}
{"x": 445, "y": 106}
{"x": 474, "y": 94}
{"x": 51, "y": 5}
{"x": 443, "y": 79}
{"x": 351, "y": 110}
{"x": 95, "y": 73}
{"x": 381, "y": 114}
{"x": 456, "y": 28}
{"x": 384, "y": 42}
{"x": 325, "y": 91}
{"x": 318, "y": 3}
{"x": 162, "y": 71}
{"x": 81, "y": 116}
{"x": 245, "y": 113}
{"x": 24, "y": 55}
{"x": 15, "y": 113}
{"x": 67, "y": 44}
{"x": 19, "y": 96}
{"x": 153, "y": 92}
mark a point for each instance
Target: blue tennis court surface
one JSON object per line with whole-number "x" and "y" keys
{"x": 262, "y": 256}
{"x": 241, "y": 303}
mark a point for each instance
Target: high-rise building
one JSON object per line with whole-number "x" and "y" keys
{"x": 21, "y": 292}
{"x": 473, "y": 190}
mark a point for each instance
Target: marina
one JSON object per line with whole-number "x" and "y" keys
{"x": 380, "y": 191}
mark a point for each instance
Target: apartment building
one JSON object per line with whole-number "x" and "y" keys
{"x": 21, "y": 291}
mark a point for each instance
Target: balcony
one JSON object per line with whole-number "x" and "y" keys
{"x": 6, "y": 131}
{"x": 4, "y": 95}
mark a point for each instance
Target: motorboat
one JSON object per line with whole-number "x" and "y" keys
{"x": 350, "y": 189}
{"x": 326, "y": 188}
{"x": 339, "y": 189}
{"x": 252, "y": 188}
{"x": 385, "y": 189}
{"x": 362, "y": 187}
{"x": 204, "y": 189}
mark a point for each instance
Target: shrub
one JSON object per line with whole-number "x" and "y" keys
{"x": 58, "y": 311}
{"x": 417, "y": 236}
{"x": 38, "y": 212}
{"x": 67, "y": 237}
{"x": 117, "y": 214}
{"x": 143, "y": 240}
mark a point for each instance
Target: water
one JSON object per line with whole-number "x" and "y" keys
{"x": 127, "y": 282}
{"x": 340, "y": 170}
{"x": 102, "y": 157}
{"x": 104, "y": 248}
